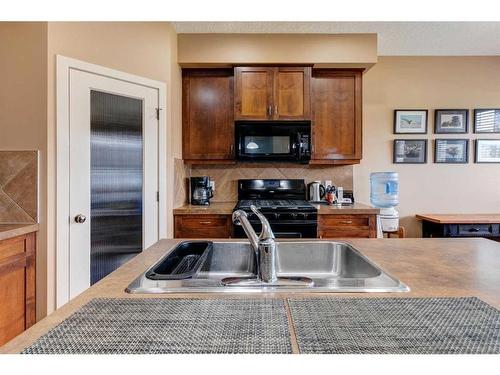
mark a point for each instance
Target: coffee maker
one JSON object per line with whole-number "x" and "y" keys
{"x": 200, "y": 190}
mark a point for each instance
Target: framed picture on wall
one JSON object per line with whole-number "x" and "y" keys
{"x": 410, "y": 151}
{"x": 487, "y": 120}
{"x": 487, "y": 151}
{"x": 451, "y": 121}
{"x": 451, "y": 151}
{"x": 410, "y": 121}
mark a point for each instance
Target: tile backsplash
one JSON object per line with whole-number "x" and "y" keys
{"x": 226, "y": 176}
{"x": 18, "y": 186}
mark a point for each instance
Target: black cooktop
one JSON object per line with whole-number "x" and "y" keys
{"x": 275, "y": 204}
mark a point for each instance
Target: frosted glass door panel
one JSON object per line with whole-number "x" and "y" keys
{"x": 116, "y": 181}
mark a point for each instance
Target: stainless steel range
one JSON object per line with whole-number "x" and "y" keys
{"x": 283, "y": 204}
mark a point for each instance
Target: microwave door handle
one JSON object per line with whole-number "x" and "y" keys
{"x": 300, "y": 144}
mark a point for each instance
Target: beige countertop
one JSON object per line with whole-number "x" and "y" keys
{"x": 226, "y": 208}
{"x": 13, "y": 230}
{"x": 431, "y": 267}
{"x": 216, "y": 208}
{"x": 353, "y": 209}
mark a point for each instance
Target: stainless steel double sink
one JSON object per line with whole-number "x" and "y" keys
{"x": 333, "y": 267}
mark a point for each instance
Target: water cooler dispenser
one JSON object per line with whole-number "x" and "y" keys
{"x": 384, "y": 194}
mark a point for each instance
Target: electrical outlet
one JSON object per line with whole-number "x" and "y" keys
{"x": 212, "y": 185}
{"x": 328, "y": 183}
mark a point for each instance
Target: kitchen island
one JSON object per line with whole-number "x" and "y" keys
{"x": 430, "y": 267}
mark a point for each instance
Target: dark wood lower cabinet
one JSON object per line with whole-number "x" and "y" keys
{"x": 17, "y": 285}
{"x": 203, "y": 226}
{"x": 329, "y": 226}
{"x": 347, "y": 226}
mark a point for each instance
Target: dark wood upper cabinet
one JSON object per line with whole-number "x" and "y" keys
{"x": 253, "y": 93}
{"x": 292, "y": 99}
{"x": 208, "y": 115}
{"x": 272, "y": 93}
{"x": 336, "y": 117}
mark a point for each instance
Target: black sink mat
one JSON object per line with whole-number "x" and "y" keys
{"x": 159, "y": 325}
{"x": 395, "y": 325}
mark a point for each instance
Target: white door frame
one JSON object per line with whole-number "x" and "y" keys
{"x": 64, "y": 66}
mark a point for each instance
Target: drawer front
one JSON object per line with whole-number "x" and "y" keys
{"x": 344, "y": 221}
{"x": 12, "y": 246}
{"x": 472, "y": 230}
{"x": 203, "y": 226}
{"x": 475, "y": 229}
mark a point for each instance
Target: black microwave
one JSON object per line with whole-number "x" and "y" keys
{"x": 285, "y": 141}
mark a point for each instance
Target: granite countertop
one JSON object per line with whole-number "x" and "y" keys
{"x": 431, "y": 267}
{"x": 13, "y": 230}
{"x": 216, "y": 208}
{"x": 226, "y": 208}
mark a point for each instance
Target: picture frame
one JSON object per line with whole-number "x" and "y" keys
{"x": 451, "y": 121}
{"x": 410, "y": 121}
{"x": 409, "y": 151}
{"x": 451, "y": 151}
{"x": 487, "y": 120}
{"x": 487, "y": 151}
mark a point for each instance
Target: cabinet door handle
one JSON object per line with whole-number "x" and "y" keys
{"x": 231, "y": 150}
{"x": 346, "y": 222}
{"x": 275, "y": 109}
{"x": 270, "y": 110}
{"x": 205, "y": 222}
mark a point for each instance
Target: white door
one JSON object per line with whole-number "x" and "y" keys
{"x": 113, "y": 174}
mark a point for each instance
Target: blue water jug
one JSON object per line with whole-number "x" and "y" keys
{"x": 384, "y": 189}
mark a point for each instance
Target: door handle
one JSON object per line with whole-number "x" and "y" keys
{"x": 346, "y": 222}
{"x": 80, "y": 219}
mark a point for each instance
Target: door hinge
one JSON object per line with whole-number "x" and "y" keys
{"x": 157, "y": 196}
{"x": 158, "y": 113}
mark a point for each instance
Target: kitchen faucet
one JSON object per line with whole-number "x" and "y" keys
{"x": 264, "y": 245}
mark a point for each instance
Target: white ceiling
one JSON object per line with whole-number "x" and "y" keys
{"x": 394, "y": 38}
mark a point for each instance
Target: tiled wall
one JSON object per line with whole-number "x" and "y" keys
{"x": 181, "y": 190}
{"x": 226, "y": 176}
{"x": 18, "y": 186}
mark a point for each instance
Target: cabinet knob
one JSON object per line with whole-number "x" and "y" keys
{"x": 80, "y": 219}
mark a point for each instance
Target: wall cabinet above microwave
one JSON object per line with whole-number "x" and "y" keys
{"x": 272, "y": 93}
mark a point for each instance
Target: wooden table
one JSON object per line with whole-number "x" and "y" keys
{"x": 460, "y": 225}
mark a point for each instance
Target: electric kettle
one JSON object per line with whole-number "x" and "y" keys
{"x": 316, "y": 191}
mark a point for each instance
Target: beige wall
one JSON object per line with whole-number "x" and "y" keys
{"x": 429, "y": 82}
{"x": 23, "y": 113}
{"x": 143, "y": 48}
{"x": 318, "y": 49}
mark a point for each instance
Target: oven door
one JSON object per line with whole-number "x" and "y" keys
{"x": 282, "y": 230}
{"x": 265, "y": 141}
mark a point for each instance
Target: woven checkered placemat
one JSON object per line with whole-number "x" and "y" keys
{"x": 155, "y": 325}
{"x": 395, "y": 325}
